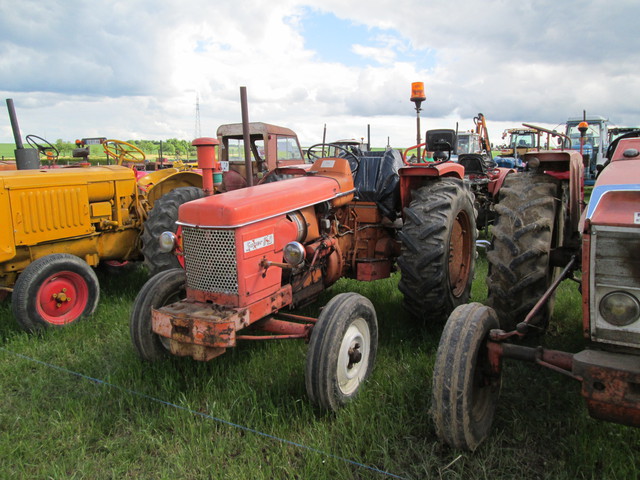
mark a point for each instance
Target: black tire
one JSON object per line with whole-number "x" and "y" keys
{"x": 342, "y": 350}
{"x": 465, "y": 392}
{"x": 54, "y": 291}
{"x": 525, "y": 231}
{"x": 162, "y": 289}
{"x": 438, "y": 249}
{"x": 162, "y": 218}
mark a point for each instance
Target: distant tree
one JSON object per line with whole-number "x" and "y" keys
{"x": 64, "y": 148}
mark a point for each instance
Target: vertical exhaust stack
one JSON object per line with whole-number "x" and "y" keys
{"x": 246, "y": 136}
{"x": 26, "y": 158}
{"x": 211, "y": 173}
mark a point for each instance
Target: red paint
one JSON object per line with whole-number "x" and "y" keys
{"x": 62, "y": 298}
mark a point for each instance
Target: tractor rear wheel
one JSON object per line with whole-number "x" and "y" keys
{"x": 163, "y": 289}
{"x": 530, "y": 223}
{"x": 438, "y": 249}
{"x": 342, "y": 350}
{"x": 54, "y": 291}
{"x": 162, "y": 218}
{"x": 465, "y": 390}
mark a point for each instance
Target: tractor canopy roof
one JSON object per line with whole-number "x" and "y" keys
{"x": 255, "y": 128}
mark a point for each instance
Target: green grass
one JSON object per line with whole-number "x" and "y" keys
{"x": 108, "y": 419}
{"x": 7, "y": 151}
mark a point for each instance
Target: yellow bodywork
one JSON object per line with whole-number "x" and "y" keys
{"x": 95, "y": 213}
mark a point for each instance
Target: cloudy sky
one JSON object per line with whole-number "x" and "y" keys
{"x": 135, "y": 69}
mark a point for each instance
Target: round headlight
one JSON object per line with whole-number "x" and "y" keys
{"x": 167, "y": 242}
{"x": 619, "y": 308}
{"x": 293, "y": 253}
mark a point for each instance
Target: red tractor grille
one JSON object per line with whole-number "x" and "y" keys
{"x": 210, "y": 260}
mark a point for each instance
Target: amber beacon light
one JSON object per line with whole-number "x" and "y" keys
{"x": 417, "y": 97}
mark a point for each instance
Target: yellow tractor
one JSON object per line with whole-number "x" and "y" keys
{"x": 59, "y": 221}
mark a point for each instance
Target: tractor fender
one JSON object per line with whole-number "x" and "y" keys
{"x": 415, "y": 176}
{"x": 158, "y": 185}
{"x": 497, "y": 179}
{"x": 565, "y": 165}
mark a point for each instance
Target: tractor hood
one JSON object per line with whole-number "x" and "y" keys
{"x": 236, "y": 208}
{"x": 615, "y": 199}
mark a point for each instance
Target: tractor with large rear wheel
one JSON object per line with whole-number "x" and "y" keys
{"x": 542, "y": 236}
{"x": 483, "y": 175}
{"x": 251, "y": 255}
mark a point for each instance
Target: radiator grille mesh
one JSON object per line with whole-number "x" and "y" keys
{"x": 210, "y": 260}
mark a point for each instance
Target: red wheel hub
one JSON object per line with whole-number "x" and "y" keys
{"x": 62, "y": 298}
{"x": 460, "y": 254}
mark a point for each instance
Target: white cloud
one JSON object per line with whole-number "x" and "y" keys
{"x": 381, "y": 55}
{"x": 132, "y": 69}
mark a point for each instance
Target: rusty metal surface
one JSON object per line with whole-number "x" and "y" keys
{"x": 561, "y": 362}
{"x": 204, "y": 330}
{"x": 199, "y": 323}
{"x": 611, "y": 385}
{"x": 368, "y": 269}
{"x": 255, "y": 128}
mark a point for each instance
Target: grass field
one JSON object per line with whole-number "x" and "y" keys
{"x": 7, "y": 151}
{"x": 78, "y": 403}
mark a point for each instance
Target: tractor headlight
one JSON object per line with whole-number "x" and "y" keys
{"x": 294, "y": 253}
{"x": 619, "y": 308}
{"x": 167, "y": 242}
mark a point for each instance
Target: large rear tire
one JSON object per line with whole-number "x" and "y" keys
{"x": 438, "y": 249}
{"x": 54, "y": 291}
{"x": 342, "y": 350}
{"x": 160, "y": 290}
{"x": 162, "y": 218}
{"x": 465, "y": 391}
{"x": 530, "y": 223}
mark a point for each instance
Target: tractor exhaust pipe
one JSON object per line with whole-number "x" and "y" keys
{"x": 26, "y": 158}
{"x": 245, "y": 135}
{"x": 207, "y": 161}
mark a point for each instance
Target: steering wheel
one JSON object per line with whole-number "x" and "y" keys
{"x": 614, "y": 144}
{"x": 43, "y": 146}
{"x": 123, "y": 151}
{"x": 348, "y": 154}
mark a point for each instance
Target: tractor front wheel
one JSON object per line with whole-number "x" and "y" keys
{"x": 162, "y": 218}
{"x": 54, "y": 291}
{"x": 342, "y": 350}
{"x": 465, "y": 389}
{"x": 163, "y": 289}
{"x": 438, "y": 249}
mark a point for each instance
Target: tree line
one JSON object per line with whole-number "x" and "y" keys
{"x": 170, "y": 147}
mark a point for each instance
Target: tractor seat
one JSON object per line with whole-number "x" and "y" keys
{"x": 377, "y": 180}
{"x": 475, "y": 163}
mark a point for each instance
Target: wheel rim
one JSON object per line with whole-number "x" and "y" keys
{"x": 62, "y": 298}
{"x": 460, "y": 254}
{"x": 353, "y": 357}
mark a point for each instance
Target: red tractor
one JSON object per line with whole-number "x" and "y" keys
{"x": 252, "y": 254}
{"x": 482, "y": 173}
{"x": 540, "y": 238}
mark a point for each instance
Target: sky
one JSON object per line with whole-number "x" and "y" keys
{"x": 149, "y": 69}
